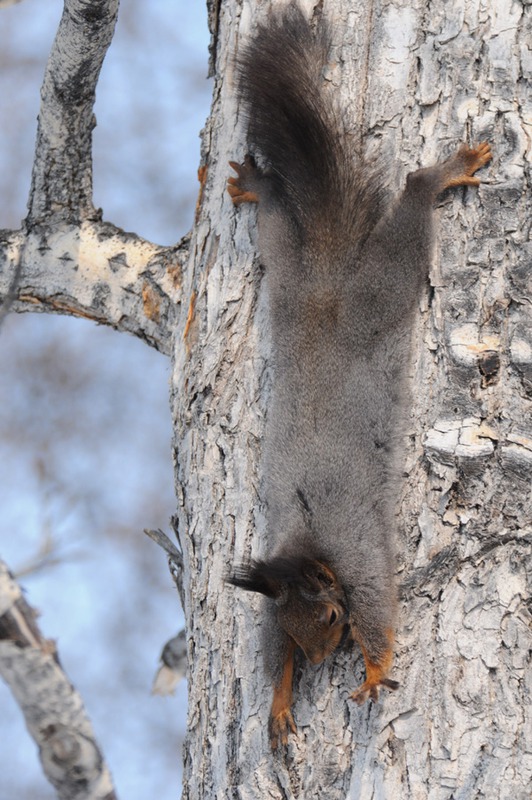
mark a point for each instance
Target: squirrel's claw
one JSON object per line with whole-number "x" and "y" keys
{"x": 465, "y": 162}
{"x": 476, "y": 157}
{"x": 280, "y": 726}
{"x": 370, "y": 690}
{"x": 238, "y": 187}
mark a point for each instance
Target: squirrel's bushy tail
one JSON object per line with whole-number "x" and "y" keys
{"x": 294, "y": 126}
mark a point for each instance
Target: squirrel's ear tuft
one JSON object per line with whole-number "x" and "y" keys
{"x": 273, "y": 578}
{"x": 255, "y": 577}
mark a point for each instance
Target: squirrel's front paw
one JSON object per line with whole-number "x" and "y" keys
{"x": 370, "y": 690}
{"x": 238, "y": 187}
{"x": 279, "y": 727}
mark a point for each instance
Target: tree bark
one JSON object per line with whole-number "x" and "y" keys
{"x": 412, "y": 86}
{"x": 413, "y": 80}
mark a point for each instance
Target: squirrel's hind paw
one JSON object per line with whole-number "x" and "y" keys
{"x": 370, "y": 690}
{"x": 465, "y": 163}
{"x": 280, "y": 725}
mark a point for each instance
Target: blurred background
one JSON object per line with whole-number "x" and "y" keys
{"x": 85, "y": 458}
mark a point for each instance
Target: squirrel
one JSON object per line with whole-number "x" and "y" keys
{"x": 344, "y": 269}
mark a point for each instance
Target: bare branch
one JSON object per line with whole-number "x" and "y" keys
{"x": 168, "y": 546}
{"x": 62, "y": 171}
{"x": 98, "y": 272}
{"x": 9, "y": 295}
{"x": 52, "y": 708}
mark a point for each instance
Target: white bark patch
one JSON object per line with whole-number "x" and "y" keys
{"x": 467, "y": 438}
{"x": 465, "y": 344}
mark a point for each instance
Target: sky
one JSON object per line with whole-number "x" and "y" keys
{"x": 85, "y": 459}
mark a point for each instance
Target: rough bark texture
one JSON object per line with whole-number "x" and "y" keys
{"x": 414, "y": 79}
{"x": 62, "y": 173}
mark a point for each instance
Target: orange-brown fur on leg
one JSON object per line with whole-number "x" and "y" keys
{"x": 376, "y": 671}
{"x": 281, "y": 720}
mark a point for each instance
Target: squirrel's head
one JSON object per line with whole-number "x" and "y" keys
{"x": 310, "y": 601}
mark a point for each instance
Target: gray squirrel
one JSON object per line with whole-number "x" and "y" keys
{"x": 344, "y": 269}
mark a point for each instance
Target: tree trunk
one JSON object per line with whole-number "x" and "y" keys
{"x": 412, "y": 87}
{"x": 414, "y": 81}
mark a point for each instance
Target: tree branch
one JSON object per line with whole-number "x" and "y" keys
{"x": 95, "y": 271}
{"x": 62, "y": 172}
{"x": 52, "y": 708}
{"x": 65, "y": 260}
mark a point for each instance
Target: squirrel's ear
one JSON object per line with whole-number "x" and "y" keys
{"x": 255, "y": 579}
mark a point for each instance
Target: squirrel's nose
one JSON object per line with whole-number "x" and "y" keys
{"x": 316, "y": 656}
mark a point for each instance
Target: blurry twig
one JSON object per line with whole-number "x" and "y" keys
{"x": 175, "y": 557}
{"x": 49, "y": 555}
{"x": 51, "y": 550}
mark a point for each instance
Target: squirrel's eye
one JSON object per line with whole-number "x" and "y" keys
{"x": 324, "y": 579}
{"x": 333, "y": 616}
